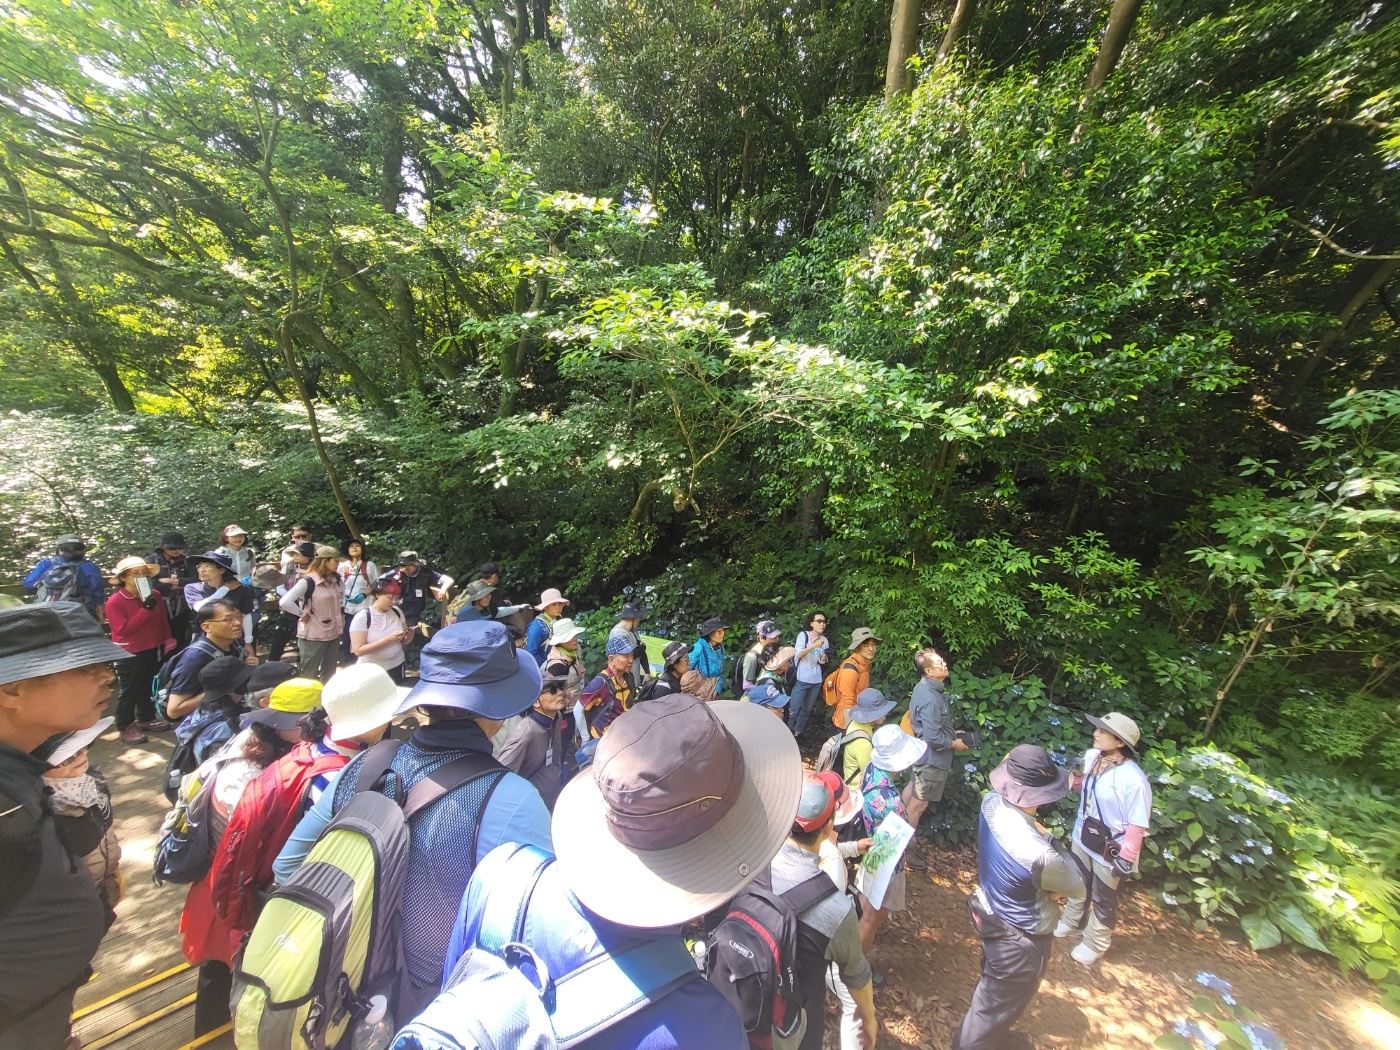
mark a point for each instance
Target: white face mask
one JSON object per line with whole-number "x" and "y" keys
{"x": 81, "y": 791}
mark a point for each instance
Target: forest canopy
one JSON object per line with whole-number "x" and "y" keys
{"x": 1060, "y": 334}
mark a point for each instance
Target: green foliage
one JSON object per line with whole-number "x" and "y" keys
{"x": 1219, "y": 1021}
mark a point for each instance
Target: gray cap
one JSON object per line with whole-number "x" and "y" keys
{"x": 44, "y": 639}
{"x": 69, "y": 539}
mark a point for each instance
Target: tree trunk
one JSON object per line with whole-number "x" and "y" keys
{"x": 812, "y": 501}
{"x": 1115, "y": 38}
{"x": 1384, "y": 272}
{"x": 957, "y": 28}
{"x": 116, "y": 388}
{"x": 904, "y": 41}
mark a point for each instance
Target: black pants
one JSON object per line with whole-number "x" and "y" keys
{"x": 134, "y": 682}
{"x": 282, "y": 635}
{"x": 1013, "y": 964}
{"x": 211, "y": 995}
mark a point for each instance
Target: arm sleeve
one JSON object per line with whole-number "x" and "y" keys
{"x": 516, "y": 813}
{"x": 844, "y": 950}
{"x": 1055, "y": 871}
{"x": 308, "y": 830}
{"x": 31, "y": 582}
{"x": 248, "y": 629}
{"x": 117, "y": 615}
{"x": 288, "y": 602}
{"x": 939, "y": 731}
{"x": 96, "y": 585}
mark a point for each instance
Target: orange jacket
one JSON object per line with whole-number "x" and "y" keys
{"x": 851, "y": 677}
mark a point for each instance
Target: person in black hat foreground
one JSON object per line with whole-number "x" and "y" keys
{"x": 1019, "y": 865}
{"x": 173, "y": 572}
{"x": 471, "y": 678}
{"x": 55, "y": 678}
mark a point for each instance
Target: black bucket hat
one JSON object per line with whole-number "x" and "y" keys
{"x": 710, "y": 626}
{"x": 172, "y": 541}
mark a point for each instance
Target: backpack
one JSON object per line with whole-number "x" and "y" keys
{"x": 500, "y": 995}
{"x": 160, "y": 687}
{"x": 186, "y": 842}
{"x": 832, "y": 756}
{"x": 647, "y": 690}
{"x": 61, "y": 583}
{"x": 753, "y": 955}
{"x": 258, "y": 828}
{"x": 204, "y": 731}
{"x": 329, "y": 938}
{"x": 829, "y": 682}
{"x": 736, "y": 673}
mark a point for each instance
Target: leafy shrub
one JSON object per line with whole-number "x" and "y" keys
{"x": 1237, "y": 1027}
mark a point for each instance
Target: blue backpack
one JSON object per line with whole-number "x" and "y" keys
{"x": 205, "y": 729}
{"x": 499, "y": 992}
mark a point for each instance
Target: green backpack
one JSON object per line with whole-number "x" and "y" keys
{"x": 328, "y": 940}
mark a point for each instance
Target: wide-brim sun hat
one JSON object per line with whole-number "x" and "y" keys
{"x": 75, "y": 742}
{"x": 631, "y": 611}
{"x": 1028, "y": 776}
{"x": 45, "y": 639}
{"x": 1120, "y": 725}
{"x": 551, "y": 597}
{"x": 894, "y": 750}
{"x": 860, "y": 636}
{"x": 563, "y": 630}
{"x": 128, "y": 563}
{"x": 235, "y": 530}
{"x": 325, "y": 550}
{"x": 474, "y": 667}
{"x": 222, "y": 561}
{"x": 685, "y": 745}
{"x": 361, "y": 698}
{"x": 710, "y": 626}
{"x": 870, "y": 705}
{"x": 781, "y": 658}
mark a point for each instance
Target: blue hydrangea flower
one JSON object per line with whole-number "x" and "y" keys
{"x": 1267, "y": 850}
{"x": 1197, "y": 791}
{"x": 1217, "y": 984}
{"x": 1168, "y": 854}
{"x": 1260, "y": 1038}
{"x": 1238, "y": 818}
{"x": 1278, "y": 796}
{"x": 1053, "y": 720}
{"x": 970, "y": 767}
{"x": 1191, "y": 1030}
{"x": 1169, "y": 900}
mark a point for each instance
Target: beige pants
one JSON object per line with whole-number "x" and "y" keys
{"x": 1102, "y": 893}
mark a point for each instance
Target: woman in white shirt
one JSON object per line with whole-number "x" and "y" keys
{"x": 358, "y": 574}
{"x": 1116, "y": 801}
{"x": 378, "y": 632}
{"x": 812, "y": 646}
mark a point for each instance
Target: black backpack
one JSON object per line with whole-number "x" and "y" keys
{"x": 736, "y": 674}
{"x": 753, "y": 956}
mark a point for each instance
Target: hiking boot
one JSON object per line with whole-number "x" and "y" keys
{"x": 132, "y": 735}
{"x": 914, "y": 862}
{"x": 1084, "y": 955}
{"x": 155, "y": 725}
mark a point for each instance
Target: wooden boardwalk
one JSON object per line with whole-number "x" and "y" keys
{"x": 142, "y": 995}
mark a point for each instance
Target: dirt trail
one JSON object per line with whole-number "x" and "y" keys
{"x": 1138, "y": 991}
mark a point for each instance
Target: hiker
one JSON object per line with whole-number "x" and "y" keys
{"x": 893, "y": 751}
{"x": 675, "y": 664}
{"x": 751, "y": 663}
{"x": 206, "y": 938}
{"x": 769, "y": 696}
{"x": 930, "y": 720}
{"x": 55, "y": 677}
{"x": 317, "y": 600}
{"x": 564, "y": 648}
{"x": 471, "y": 679}
{"x": 550, "y": 608}
{"x": 357, "y": 575}
{"x": 417, "y": 581}
{"x": 1019, "y": 865}
{"x": 82, "y": 805}
{"x": 535, "y": 749}
{"x": 265, "y": 678}
{"x": 69, "y": 577}
{"x": 218, "y": 579}
{"x": 1115, "y": 806}
{"x": 300, "y": 534}
{"x": 832, "y": 931}
{"x": 707, "y": 659}
{"x": 295, "y": 561}
{"x": 476, "y": 602}
{"x": 812, "y": 647}
{"x": 853, "y": 675}
{"x": 174, "y": 572}
{"x": 235, "y": 548}
{"x": 221, "y": 627}
{"x": 640, "y": 853}
{"x": 777, "y": 665}
{"x": 139, "y": 625}
{"x": 857, "y": 741}
{"x": 629, "y": 623}
{"x": 489, "y": 574}
{"x": 610, "y": 691}
{"x": 378, "y": 632}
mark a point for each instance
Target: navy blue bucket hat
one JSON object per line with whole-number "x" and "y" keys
{"x": 474, "y": 667}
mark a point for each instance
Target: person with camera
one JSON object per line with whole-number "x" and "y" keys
{"x": 1115, "y": 805}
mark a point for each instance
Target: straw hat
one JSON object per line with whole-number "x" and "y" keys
{"x": 685, "y": 805}
{"x": 360, "y": 698}
{"x": 128, "y": 563}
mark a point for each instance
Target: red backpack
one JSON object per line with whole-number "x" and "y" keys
{"x": 259, "y": 827}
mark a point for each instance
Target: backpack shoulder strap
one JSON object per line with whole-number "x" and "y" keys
{"x": 809, "y": 892}
{"x": 503, "y": 913}
{"x": 375, "y": 765}
{"x": 449, "y": 778}
{"x": 616, "y": 985}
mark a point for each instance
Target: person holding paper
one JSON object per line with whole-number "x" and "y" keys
{"x": 893, "y": 751}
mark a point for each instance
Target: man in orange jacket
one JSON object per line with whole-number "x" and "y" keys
{"x": 854, "y": 673}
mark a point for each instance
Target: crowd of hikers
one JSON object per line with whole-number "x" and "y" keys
{"x": 435, "y": 828}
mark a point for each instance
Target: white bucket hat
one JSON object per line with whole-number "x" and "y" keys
{"x": 551, "y": 597}
{"x": 895, "y": 750}
{"x": 685, "y": 805}
{"x": 562, "y": 630}
{"x": 359, "y": 698}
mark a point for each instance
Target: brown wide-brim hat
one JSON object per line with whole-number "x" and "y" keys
{"x": 653, "y": 888}
{"x": 1028, "y": 776}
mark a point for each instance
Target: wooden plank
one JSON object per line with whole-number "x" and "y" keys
{"x": 141, "y": 1022}
{"x": 117, "y": 997}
